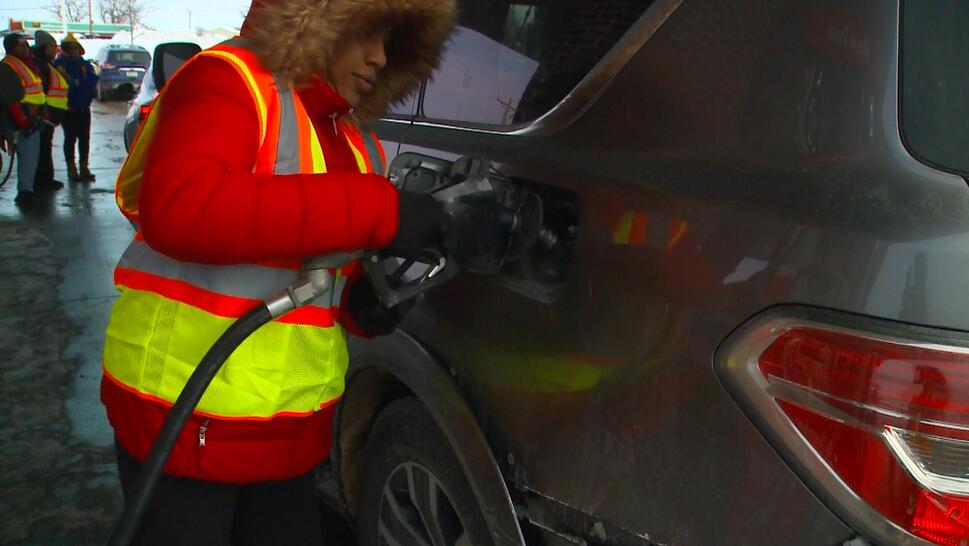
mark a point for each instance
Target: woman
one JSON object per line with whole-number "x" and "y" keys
{"x": 251, "y": 160}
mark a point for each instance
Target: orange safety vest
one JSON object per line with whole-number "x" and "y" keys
{"x": 57, "y": 91}
{"x": 33, "y": 85}
{"x": 170, "y": 312}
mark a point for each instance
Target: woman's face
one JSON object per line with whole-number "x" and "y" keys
{"x": 356, "y": 64}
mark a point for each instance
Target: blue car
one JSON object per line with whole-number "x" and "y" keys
{"x": 121, "y": 69}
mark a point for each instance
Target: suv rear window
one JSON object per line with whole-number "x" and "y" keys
{"x": 132, "y": 57}
{"x": 935, "y": 82}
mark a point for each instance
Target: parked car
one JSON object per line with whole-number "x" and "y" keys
{"x": 167, "y": 58}
{"x": 121, "y": 69}
{"x": 749, "y": 324}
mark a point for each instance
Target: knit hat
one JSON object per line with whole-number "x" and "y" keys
{"x": 42, "y": 38}
{"x": 71, "y": 39}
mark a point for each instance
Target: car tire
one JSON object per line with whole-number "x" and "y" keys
{"x": 408, "y": 464}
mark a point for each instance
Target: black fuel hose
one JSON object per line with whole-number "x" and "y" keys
{"x": 151, "y": 470}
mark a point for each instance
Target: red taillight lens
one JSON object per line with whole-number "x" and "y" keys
{"x": 145, "y": 109}
{"x": 890, "y": 419}
{"x": 109, "y": 66}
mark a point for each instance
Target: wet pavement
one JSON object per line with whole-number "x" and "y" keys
{"x": 58, "y": 483}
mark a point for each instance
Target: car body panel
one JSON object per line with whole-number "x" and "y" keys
{"x": 149, "y": 89}
{"x": 769, "y": 130}
{"x": 423, "y": 376}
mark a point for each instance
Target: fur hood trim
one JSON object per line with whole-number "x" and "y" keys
{"x": 295, "y": 39}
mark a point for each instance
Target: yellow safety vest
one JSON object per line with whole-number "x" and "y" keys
{"x": 170, "y": 312}
{"x": 57, "y": 91}
{"x": 33, "y": 85}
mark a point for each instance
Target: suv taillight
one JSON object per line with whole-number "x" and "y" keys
{"x": 144, "y": 110}
{"x": 871, "y": 417}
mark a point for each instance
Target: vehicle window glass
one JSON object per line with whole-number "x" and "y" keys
{"x": 510, "y": 62}
{"x": 935, "y": 82}
{"x": 129, "y": 57}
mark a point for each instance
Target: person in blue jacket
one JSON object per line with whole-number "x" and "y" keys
{"x": 82, "y": 83}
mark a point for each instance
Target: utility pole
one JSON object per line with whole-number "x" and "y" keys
{"x": 90, "y": 19}
{"x": 190, "y": 20}
{"x": 131, "y": 20}
{"x": 62, "y": 10}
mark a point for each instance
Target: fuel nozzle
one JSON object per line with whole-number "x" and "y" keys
{"x": 483, "y": 216}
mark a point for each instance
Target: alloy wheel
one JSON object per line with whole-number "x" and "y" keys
{"x": 416, "y": 510}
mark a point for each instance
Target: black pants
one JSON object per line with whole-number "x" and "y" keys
{"x": 45, "y": 162}
{"x": 189, "y": 512}
{"x": 77, "y": 128}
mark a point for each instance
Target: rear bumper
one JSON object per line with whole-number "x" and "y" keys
{"x": 116, "y": 80}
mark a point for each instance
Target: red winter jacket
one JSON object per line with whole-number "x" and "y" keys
{"x": 200, "y": 202}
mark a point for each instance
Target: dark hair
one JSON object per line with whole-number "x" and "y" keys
{"x": 11, "y": 40}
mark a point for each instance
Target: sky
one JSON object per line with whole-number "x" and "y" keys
{"x": 162, "y": 15}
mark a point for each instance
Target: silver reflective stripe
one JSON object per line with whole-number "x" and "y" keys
{"x": 287, "y": 147}
{"x": 373, "y": 151}
{"x": 243, "y": 281}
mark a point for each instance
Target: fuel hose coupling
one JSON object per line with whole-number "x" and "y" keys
{"x": 315, "y": 279}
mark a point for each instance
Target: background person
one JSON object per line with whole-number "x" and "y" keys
{"x": 56, "y": 90}
{"x": 77, "y": 120}
{"x": 24, "y": 118}
{"x": 11, "y": 91}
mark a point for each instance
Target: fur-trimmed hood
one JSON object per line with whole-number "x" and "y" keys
{"x": 295, "y": 39}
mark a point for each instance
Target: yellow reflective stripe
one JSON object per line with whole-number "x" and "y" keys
{"x": 153, "y": 345}
{"x": 361, "y": 162}
{"x": 128, "y": 184}
{"x": 251, "y": 82}
{"x": 316, "y": 150}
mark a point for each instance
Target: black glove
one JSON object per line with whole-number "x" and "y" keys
{"x": 369, "y": 314}
{"x": 420, "y": 225}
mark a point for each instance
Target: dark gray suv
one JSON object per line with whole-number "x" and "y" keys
{"x": 747, "y": 320}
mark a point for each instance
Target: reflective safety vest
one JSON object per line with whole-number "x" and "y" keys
{"x": 57, "y": 91}
{"x": 170, "y": 312}
{"x": 33, "y": 85}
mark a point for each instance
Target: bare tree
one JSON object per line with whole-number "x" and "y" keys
{"x": 123, "y": 12}
{"x": 74, "y": 10}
